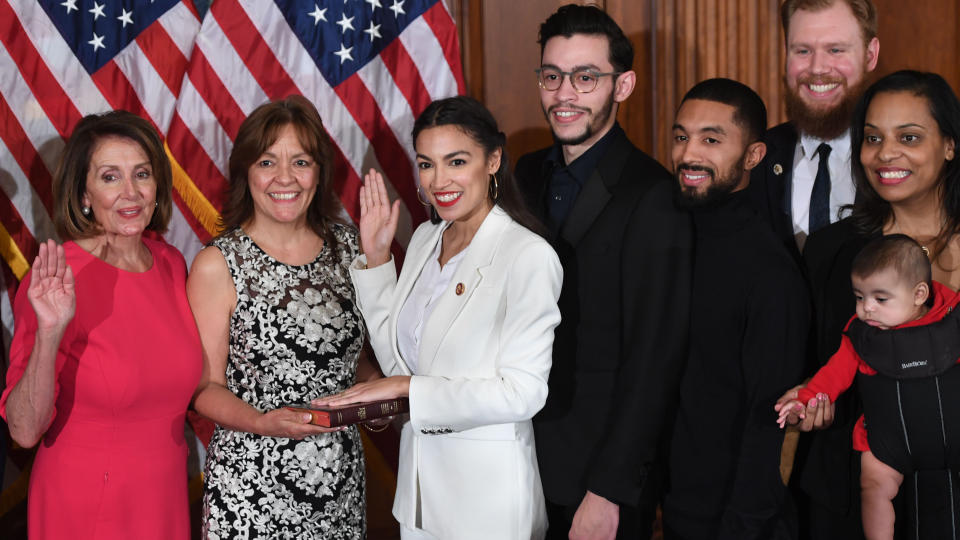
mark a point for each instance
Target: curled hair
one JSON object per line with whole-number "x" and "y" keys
{"x": 474, "y": 120}
{"x": 576, "y": 19}
{"x": 70, "y": 178}
{"x": 870, "y": 211}
{"x": 749, "y": 112}
{"x": 863, "y": 11}
{"x": 257, "y": 133}
{"x": 897, "y": 252}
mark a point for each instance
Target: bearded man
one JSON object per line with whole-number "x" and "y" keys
{"x": 748, "y": 330}
{"x": 805, "y": 180}
{"x": 831, "y": 46}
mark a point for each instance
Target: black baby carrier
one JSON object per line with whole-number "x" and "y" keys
{"x": 912, "y": 415}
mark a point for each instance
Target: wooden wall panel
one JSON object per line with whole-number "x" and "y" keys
{"x": 508, "y": 56}
{"x": 636, "y": 115}
{"x": 920, "y": 35}
{"x": 677, "y": 43}
{"x": 700, "y": 39}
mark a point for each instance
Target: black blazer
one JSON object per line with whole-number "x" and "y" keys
{"x": 771, "y": 184}
{"x": 620, "y": 347}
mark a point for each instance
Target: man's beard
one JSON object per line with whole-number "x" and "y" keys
{"x": 824, "y": 124}
{"x": 715, "y": 193}
{"x": 596, "y": 122}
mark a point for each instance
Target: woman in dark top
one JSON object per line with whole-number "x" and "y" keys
{"x": 904, "y": 135}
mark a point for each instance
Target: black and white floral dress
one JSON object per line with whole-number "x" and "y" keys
{"x": 295, "y": 335}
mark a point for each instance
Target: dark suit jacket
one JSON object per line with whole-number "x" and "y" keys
{"x": 620, "y": 346}
{"x": 771, "y": 184}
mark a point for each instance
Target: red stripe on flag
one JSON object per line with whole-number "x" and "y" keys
{"x": 10, "y": 284}
{"x": 258, "y": 57}
{"x": 407, "y": 77}
{"x": 215, "y": 94}
{"x": 202, "y": 171}
{"x": 446, "y": 31}
{"x": 347, "y": 184}
{"x": 163, "y": 55}
{"x": 25, "y": 155}
{"x": 390, "y": 153}
{"x": 44, "y": 86}
{"x": 193, "y": 9}
{"x": 118, "y": 91}
{"x": 13, "y": 222}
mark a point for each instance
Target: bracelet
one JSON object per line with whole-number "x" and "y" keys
{"x": 371, "y": 430}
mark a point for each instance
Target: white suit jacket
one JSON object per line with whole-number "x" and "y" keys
{"x": 468, "y": 465}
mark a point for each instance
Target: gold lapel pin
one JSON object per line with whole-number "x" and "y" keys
{"x": 460, "y": 288}
{"x": 777, "y": 169}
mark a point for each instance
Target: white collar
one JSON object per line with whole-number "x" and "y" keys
{"x": 839, "y": 147}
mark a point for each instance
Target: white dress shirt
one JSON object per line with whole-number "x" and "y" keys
{"x": 805, "y": 163}
{"x": 429, "y": 286}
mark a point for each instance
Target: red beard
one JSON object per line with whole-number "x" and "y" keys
{"x": 824, "y": 124}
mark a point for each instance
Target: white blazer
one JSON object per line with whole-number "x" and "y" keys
{"x": 468, "y": 465}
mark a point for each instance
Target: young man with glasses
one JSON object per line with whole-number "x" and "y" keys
{"x": 626, "y": 253}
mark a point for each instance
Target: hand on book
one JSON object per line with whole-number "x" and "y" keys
{"x": 283, "y": 422}
{"x": 375, "y": 390}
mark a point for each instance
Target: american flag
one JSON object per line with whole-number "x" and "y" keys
{"x": 62, "y": 60}
{"x": 370, "y": 66}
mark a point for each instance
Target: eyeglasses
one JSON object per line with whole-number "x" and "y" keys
{"x": 582, "y": 80}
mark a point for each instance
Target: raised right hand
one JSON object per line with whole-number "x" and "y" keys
{"x": 378, "y": 219}
{"x": 51, "y": 291}
{"x": 283, "y": 422}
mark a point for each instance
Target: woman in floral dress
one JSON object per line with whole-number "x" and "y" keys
{"x": 279, "y": 325}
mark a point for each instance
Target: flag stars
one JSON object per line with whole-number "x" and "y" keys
{"x": 374, "y": 4}
{"x": 373, "y": 31}
{"x": 97, "y": 11}
{"x": 97, "y": 42}
{"x": 345, "y": 23}
{"x": 344, "y": 53}
{"x": 71, "y": 5}
{"x": 318, "y": 14}
{"x": 125, "y": 17}
{"x": 397, "y": 8}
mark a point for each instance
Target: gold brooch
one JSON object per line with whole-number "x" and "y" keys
{"x": 777, "y": 169}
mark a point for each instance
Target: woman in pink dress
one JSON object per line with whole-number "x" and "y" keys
{"x": 105, "y": 353}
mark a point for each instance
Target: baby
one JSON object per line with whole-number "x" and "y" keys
{"x": 892, "y": 283}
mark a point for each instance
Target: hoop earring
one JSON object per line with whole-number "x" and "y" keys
{"x": 496, "y": 187}
{"x": 420, "y": 197}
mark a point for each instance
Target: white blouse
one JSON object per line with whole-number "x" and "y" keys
{"x": 429, "y": 286}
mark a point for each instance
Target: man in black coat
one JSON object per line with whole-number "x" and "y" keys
{"x": 626, "y": 255}
{"x": 748, "y": 329}
{"x": 805, "y": 179}
{"x": 831, "y": 47}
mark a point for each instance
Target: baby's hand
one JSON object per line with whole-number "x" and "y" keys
{"x": 791, "y": 412}
{"x": 790, "y": 409}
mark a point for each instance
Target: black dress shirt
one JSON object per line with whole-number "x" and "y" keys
{"x": 566, "y": 180}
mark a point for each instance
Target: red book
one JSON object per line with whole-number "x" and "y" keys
{"x": 353, "y": 413}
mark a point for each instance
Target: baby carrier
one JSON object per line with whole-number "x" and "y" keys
{"x": 912, "y": 413}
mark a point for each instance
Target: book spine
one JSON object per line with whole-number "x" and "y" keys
{"x": 370, "y": 411}
{"x": 320, "y": 418}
